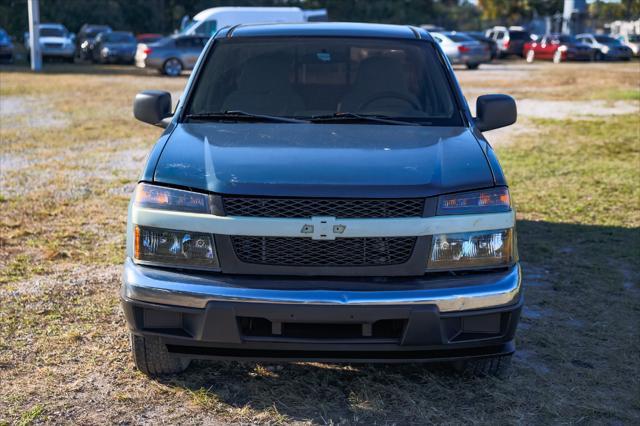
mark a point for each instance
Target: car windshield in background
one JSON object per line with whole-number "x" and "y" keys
{"x": 309, "y": 78}
{"x": 606, "y": 40}
{"x": 119, "y": 38}
{"x": 566, "y": 39}
{"x": 51, "y": 32}
{"x": 459, "y": 38}
{"x": 519, "y": 35}
{"x": 634, "y": 38}
{"x": 94, "y": 31}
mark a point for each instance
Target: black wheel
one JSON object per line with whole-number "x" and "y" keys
{"x": 482, "y": 367}
{"x": 152, "y": 357}
{"x": 70, "y": 60}
{"x": 172, "y": 67}
{"x": 473, "y": 66}
{"x": 599, "y": 56}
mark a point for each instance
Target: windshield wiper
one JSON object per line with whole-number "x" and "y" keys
{"x": 351, "y": 116}
{"x": 241, "y": 116}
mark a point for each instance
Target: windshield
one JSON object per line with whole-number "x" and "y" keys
{"x": 92, "y": 32}
{"x": 52, "y": 32}
{"x": 459, "y": 38}
{"x": 118, "y": 38}
{"x": 634, "y": 38}
{"x": 519, "y": 35}
{"x": 188, "y": 26}
{"x": 308, "y": 77}
{"x": 606, "y": 40}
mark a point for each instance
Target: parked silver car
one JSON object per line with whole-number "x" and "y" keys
{"x": 462, "y": 49}
{"x": 55, "y": 42}
{"x": 171, "y": 55}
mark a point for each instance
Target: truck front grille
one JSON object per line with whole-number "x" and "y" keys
{"x": 309, "y": 207}
{"x": 292, "y": 251}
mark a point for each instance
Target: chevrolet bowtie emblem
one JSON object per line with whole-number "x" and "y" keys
{"x": 323, "y": 228}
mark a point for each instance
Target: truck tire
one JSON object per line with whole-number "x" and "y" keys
{"x": 152, "y": 357}
{"x": 481, "y": 367}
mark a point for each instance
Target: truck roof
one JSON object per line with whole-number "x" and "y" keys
{"x": 326, "y": 29}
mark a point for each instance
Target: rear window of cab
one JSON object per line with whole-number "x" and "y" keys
{"x": 304, "y": 77}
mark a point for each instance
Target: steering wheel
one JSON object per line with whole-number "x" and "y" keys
{"x": 389, "y": 95}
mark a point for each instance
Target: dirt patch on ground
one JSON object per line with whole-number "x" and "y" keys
{"x": 579, "y": 110}
{"x": 33, "y": 112}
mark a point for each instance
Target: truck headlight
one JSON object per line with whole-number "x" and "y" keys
{"x": 166, "y": 247}
{"x": 471, "y": 250}
{"x": 478, "y": 249}
{"x": 172, "y": 247}
{"x": 493, "y": 200}
{"x": 160, "y": 197}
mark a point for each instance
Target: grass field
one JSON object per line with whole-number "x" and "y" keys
{"x": 70, "y": 155}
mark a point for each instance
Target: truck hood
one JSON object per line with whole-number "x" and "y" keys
{"x": 323, "y": 160}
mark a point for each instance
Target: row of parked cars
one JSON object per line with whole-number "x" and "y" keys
{"x": 97, "y": 43}
{"x": 174, "y": 54}
{"x": 475, "y": 48}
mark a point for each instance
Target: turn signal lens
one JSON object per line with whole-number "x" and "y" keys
{"x": 159, "y": 197}
{"x": 486, "y": 201}
{"x": 472, "y": 250}
{"x": 165, "y": 247}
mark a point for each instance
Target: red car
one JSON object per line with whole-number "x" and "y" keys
{"x": 558, "y": 48}
{"x": 148, "y": 38}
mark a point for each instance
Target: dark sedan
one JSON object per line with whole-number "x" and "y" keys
{"x": 489, "y": 42}
{"x": 6, "y": 47}
{"x": 606, "y": 48}
{"x": 86, "y": 39}
{"x": 115, "y": 46}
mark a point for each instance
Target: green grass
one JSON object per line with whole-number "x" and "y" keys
{"x": 622, "y": 94}
{"x": 28, "y": 417}
{"x": 578, "y": 171}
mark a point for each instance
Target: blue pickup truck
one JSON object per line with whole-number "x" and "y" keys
{"x": 322, "y": 192}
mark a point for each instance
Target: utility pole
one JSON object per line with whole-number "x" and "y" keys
{"x": 34, "y": 35}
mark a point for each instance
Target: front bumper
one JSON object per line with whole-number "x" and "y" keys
{"x": 577, "y": 55}
{"x": 62, "y": 52}
{"x": 471, "y": 58}
{"x": 409, "y": 319}
{"x": 116, "y": 56}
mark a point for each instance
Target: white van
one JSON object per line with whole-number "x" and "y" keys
{"x": 208, "y": 21}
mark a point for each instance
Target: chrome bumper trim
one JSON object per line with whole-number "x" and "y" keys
{"x": 292, "y": 227}
{"x": 195, "y": 291}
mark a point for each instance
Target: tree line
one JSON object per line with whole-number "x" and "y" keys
{"x": 164, "y": 16}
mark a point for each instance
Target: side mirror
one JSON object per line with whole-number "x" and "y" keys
{"x": 495, "y": 111}
{"x": 153, "y": 106}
